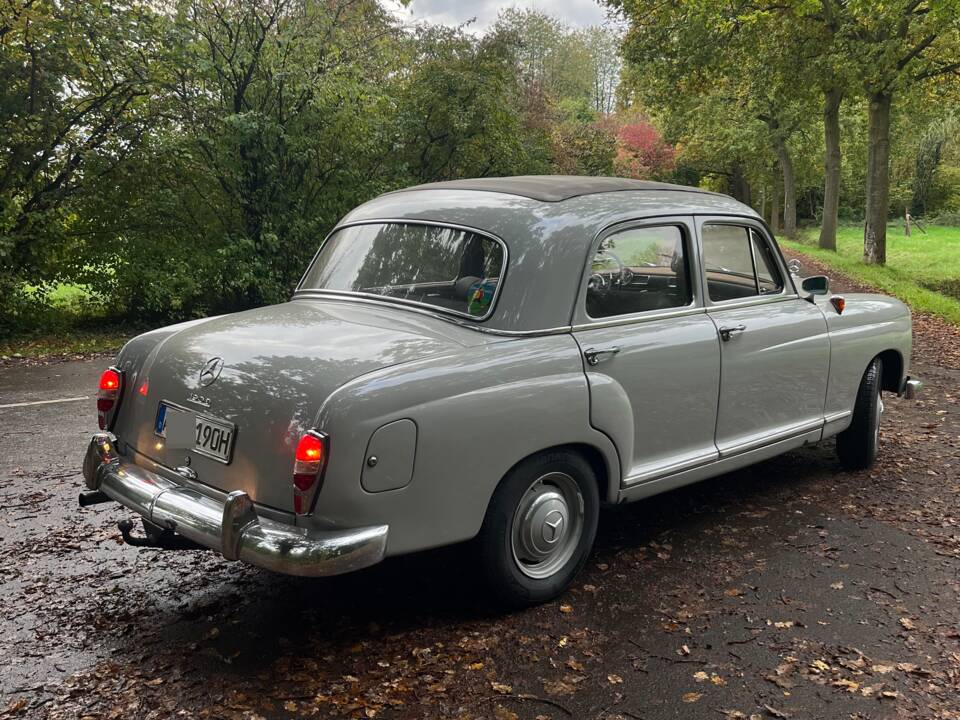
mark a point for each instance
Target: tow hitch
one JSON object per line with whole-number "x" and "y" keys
{"x": 92, "y": 497}
{"x": 156, "y": 537}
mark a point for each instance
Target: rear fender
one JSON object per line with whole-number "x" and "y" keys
{"x": 477, "y": 414}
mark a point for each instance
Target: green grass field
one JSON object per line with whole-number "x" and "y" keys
{"x": 923, "y": 270}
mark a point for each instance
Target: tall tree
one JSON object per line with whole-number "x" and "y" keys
{"x": 277, "y": 117}
{"x": 702, "y": 49}
{"x": 896, "y": 46}
{"x": 603, "y": 44}
{"x": 824, "y": 56}
{"x": 75, "y": 94}
{"x": 274, "y": 100}
{"x": 459, "y": 110}
{"x": 832, "y": 166}
{"x": 932, "y": 145}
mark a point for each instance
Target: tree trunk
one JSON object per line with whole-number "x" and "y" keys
{"x": 789, "y": 189}
{"x": 739, "y": 185}
{"x": 831, "y": 176}
{"x": 878, "y": 180}
{"x": 775, "y": 208}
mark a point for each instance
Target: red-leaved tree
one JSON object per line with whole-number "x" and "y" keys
{"x": 642, "y": 151}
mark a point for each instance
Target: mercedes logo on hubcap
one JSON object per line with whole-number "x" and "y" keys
{"x": 210, "y": 371}
{"x": 553, "y": 527}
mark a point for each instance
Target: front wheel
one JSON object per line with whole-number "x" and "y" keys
{"x": 539, "y": 528}
{"x": 857, "y": 445}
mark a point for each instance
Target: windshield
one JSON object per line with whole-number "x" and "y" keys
{"x": 447, "y": 268}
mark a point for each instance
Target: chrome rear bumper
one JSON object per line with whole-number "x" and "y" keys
{"x": 232, "y": 527}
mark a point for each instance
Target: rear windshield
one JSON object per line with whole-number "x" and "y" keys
{"x": 447, "y": 268}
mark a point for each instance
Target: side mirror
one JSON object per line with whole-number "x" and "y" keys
{"x": 816, "y": 285}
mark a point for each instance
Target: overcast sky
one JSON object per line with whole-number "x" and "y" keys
{"x": 577, "y": 13}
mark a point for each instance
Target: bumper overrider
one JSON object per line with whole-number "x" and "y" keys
{"x": 231, "y": 527}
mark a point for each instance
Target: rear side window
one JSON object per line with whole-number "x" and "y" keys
{"x": 738, "y": 263}
{"x": 447, "y": 268}
{"x": 638, "y": 270}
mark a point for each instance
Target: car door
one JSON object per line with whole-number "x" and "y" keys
{"x": 774, "y": 346}
{"x": 651, "y": 354}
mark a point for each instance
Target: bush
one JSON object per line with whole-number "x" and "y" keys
{"x": 945, "y": 218}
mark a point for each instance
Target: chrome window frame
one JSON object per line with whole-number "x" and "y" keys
{"x": 787, "y": 292}
{"x": 300, "y": 291}
{"x": 582, "y": 320}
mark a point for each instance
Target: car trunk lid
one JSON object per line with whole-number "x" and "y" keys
{"x": 263, "y": 375}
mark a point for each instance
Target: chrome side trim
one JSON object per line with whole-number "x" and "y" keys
{"x": 750, "y": 302}
{"x": 639, "y": 491}
{"x": 358, "y": 298}
{"x": 649, "y": 316}
{"x": 792, "y": 433}
{"x": 835, "y": 422}
{"x": 784, "y": 434}
{"x": 834, "y": 417}
{"x": 231, "y": 527}
{"x": 429, "y": 223}
{"x": 676, "y": 467}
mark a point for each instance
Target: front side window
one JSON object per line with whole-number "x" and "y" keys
{"x": 637, "y": 270}
{"x": 447, "y": 268}
{"x": 768, "y": 276}
{"x": 738, "y": 263}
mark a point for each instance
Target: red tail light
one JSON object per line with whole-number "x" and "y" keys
{"x": 108, "y": 395}
{"x": 309, "y": 461}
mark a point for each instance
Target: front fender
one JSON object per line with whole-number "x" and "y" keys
{"x": 869, "y": 325}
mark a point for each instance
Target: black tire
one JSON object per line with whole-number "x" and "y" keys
{"x": 857, "y": 445}
{"x": 505, "y": 573}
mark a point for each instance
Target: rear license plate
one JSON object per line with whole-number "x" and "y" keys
{"x": 203, "y": 434}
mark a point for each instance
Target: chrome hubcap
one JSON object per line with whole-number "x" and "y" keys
{"x": 547, "y": 525}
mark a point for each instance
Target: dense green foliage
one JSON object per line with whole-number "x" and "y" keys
{"x": 166, "y": 159}
{"x": 181, "y": 158}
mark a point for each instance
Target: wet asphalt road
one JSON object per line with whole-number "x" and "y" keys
{"x": 790, "y": 589}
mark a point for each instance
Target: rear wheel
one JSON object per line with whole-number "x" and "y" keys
{"x": 539, "y": 528}
{"x": 857, "y": 445}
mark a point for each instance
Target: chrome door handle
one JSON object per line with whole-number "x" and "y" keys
{"x": 727, "y": 332}
{"x": 595, "y": 355}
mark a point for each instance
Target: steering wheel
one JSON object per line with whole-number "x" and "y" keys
{"x": 606, "y": 280}
{"x": 598, "y": 283}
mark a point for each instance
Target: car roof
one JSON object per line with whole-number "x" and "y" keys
{"x": 548, "y": 223}
{"x": 554, "y": 188}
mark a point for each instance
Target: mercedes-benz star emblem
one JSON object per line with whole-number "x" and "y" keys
{"x": 210, "y": 371}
